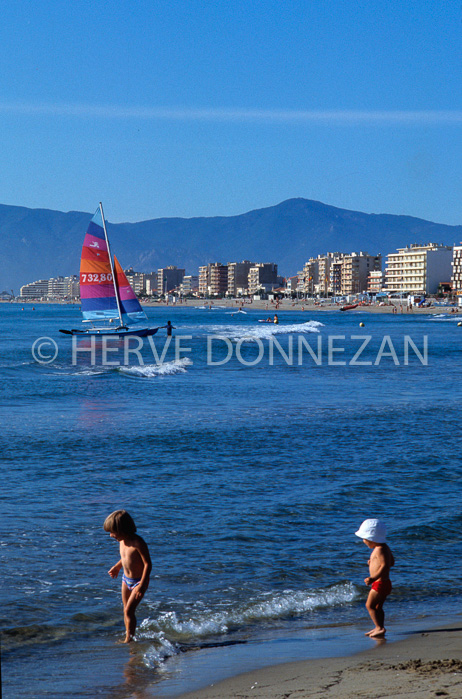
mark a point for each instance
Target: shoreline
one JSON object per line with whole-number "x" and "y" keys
{"x": 425, "y": 664}
{"x": 268, "y": 307}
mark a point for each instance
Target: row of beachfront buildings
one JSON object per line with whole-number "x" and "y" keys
{"x": 415, "y": 269}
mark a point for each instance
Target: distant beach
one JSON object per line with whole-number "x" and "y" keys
{"x": 284, "y": 305}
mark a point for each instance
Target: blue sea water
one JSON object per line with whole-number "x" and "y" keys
{"x": 248, "y": 462}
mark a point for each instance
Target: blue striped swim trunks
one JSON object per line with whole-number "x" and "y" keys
{"x": 130, "y": 582}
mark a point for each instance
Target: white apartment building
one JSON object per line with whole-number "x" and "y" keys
{"x": 418, "y": 269}
{"x": 456, "y": 278}
{"x": 375, "y": 281}
{"x": 34, "y": 290}
{"x": 54, "y": 288}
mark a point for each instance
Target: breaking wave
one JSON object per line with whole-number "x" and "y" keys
{"x": 172, "y": 633}
{"x": 265, "y": 331}
{"x": 149, "y": 371}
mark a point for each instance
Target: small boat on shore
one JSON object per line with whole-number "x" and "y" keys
{"x": 350, "y": 307}
{"x": 105, "y": 292}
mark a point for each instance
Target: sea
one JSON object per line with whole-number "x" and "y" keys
{"x": 248, "y": 454}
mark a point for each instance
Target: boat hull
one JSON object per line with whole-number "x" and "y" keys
{"x": 349, "y": 308}
{"x": 140, "y": 332}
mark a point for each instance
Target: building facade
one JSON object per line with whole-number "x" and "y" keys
{"x": 263, "y": 276}
{"x": 213, "y": 279}
{"x": 418, "y": 269}
{"x": 375, "y": 281}
{"x": 189, "y": 285}
{"x": 218, "y": 279}
{"x": 456, "y": 277}
{"x": 169, "y": 278}
{"x": 355, "y": 272}
{"x": 57, "y": 288}
{"x": 34, "y": 290}
{"x": 142, "y": 283}
{"x": 238, "y": 277}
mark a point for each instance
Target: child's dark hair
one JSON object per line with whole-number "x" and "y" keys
{"x": 119, "y": 522}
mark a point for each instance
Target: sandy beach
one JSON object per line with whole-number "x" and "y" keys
{"x": 299, "y": 305}
{"x": 427, "y": 663}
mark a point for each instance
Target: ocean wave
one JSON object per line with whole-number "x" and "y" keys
{"x": 446, "y": 317}
{"x": 148, "y": 371}
{"x": 210, "y": 308}
{"x": 265, "y": 331}
{"x": 273, "y": 606}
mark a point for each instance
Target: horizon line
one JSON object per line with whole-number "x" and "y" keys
{"x": 333, "y": 116}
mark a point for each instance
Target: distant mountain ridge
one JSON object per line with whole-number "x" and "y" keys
{"x": 40, "y": 243}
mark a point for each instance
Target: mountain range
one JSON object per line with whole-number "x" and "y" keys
{"x": 40, "y": 243}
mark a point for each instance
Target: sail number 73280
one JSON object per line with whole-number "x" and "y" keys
{"x": 94, "y": 278}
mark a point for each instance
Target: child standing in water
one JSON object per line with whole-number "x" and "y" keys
{"x": 136, "y": 563}
{"x": 373, "y": 533}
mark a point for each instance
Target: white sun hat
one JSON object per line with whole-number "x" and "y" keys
{"x": 372, "y": 530}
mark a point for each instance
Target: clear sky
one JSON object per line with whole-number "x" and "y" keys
{"x": 216, "y": 107}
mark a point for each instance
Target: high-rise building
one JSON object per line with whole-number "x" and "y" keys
{"x": 218, "y": 279}
{"x": 238, "y": 277}
{"x": 213, "y": 279}
{"x": 263, "y": 276}
{"x": 418, "y": 269}
{"x": 456, "y": 278}
{"x": 375, "y": 281}
{"x": 189, "y": 285}
{"x": 355, "y": 271}
{"x": 169, "y": 278}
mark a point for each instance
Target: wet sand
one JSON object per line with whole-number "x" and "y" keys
{"x": 428, "y": 663}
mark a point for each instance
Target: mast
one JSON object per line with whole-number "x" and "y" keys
{"x": 116, "y": 290}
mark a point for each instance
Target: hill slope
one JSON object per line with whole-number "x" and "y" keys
{"x": 39, "y": 243}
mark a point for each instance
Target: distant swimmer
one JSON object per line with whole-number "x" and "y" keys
{"x": 276, "y": 320}
{"x": 169, "y": 328}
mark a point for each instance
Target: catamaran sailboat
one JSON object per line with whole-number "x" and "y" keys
{"x": 105, "y": 292}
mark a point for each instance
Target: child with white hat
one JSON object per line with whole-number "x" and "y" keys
{"x": 373, "y": 533}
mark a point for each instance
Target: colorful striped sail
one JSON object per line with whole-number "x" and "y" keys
{"x": 129, "y": 304}
{"x": 97, "y": 287}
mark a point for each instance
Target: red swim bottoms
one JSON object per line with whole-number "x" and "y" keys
{"x": 383, "y": 587}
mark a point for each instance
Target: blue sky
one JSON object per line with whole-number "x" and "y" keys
{"x": 202, "y": 108}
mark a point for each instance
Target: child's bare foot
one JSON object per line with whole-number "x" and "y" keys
{"x": 368, "y": 633}
{"x": 377, "y": 633}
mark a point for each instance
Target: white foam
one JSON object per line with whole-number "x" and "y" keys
{"x": 447, "y": 317}
{"x": 148, "y": 371}
{"x": 273, "y": 605}
{"x": 264, "y": 332}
